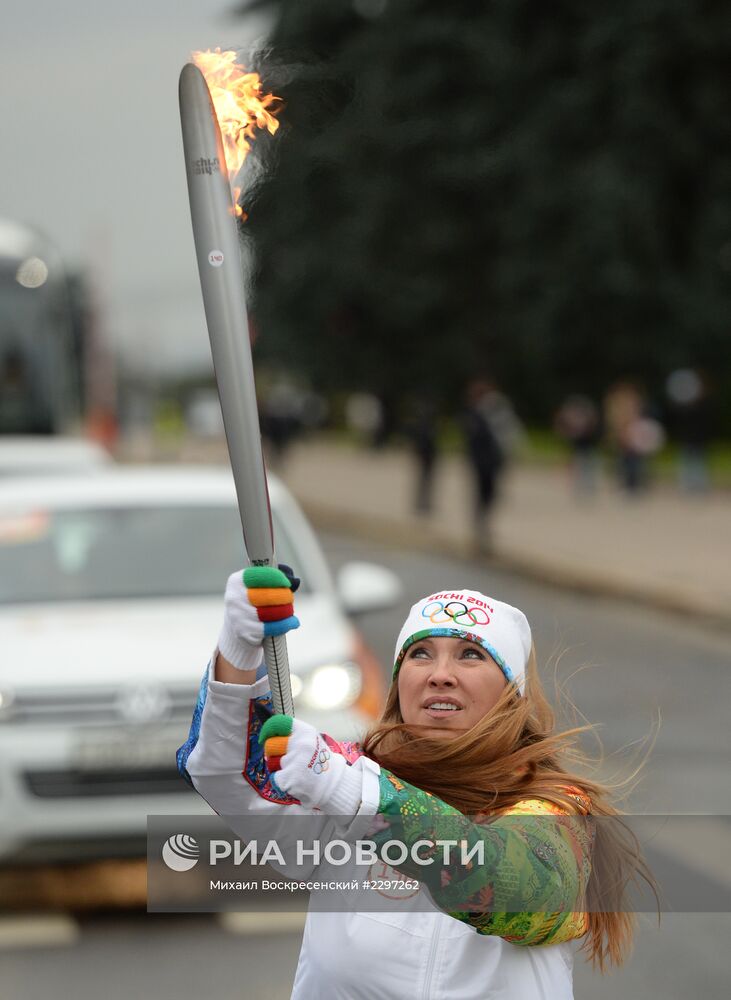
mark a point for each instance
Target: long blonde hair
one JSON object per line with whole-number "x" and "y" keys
{"x": 513, "y": 753}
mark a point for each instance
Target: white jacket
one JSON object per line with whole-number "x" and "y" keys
{"x": 411, "y": 951}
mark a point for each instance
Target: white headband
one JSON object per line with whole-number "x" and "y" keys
{"x": 466, "y": 614}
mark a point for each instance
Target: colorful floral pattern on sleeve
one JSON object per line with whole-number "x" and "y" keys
{"x": 537, "y": 862}
{"x": 189, "y": 746}
{"x": 253, "y": 764}
{"x": 255, "y": 768}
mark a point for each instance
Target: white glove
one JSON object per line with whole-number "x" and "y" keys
{"x": 258, "y": 602}
{"x": 303, "y": 764}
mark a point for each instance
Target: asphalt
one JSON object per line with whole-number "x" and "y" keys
{"x": 663, "y": 549}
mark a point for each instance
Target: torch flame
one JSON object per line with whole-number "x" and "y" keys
{"x": 240, "y": 107}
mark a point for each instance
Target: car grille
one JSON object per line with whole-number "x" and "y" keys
{"x": 94, "y": 708}
{"x": 74, "y": 783}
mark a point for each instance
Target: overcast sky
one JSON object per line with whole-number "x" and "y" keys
{"x": 92, "y": 154}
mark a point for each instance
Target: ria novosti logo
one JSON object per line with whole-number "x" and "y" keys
{"x": 181, "y": 852}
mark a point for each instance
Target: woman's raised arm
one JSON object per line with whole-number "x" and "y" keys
{"x": 534, "y": 863}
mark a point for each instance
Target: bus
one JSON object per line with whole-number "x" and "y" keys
{"x": 41, "y": 336}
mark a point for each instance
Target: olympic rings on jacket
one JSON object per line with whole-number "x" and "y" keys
{"x": 440, "y": 613}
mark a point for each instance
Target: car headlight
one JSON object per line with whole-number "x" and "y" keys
{"x": 334, "y": 685}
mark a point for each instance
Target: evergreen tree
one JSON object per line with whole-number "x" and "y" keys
{"x": 540, "y": 190}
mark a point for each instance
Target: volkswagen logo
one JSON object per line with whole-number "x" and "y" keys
{"x": 143, "y": 703}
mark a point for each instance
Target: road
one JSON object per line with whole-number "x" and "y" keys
{"x": 634, "y": 667}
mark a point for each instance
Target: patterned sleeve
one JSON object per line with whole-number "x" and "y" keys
{"x": 535, "y": 862}
{"x": 223, "y": 743}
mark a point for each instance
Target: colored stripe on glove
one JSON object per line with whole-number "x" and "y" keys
{"x": 274, "y": 736}
{"x": 269, "y": 591}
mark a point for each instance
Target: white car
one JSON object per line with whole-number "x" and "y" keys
{"x": 30, "y": 455}
{"x": 110, "y": 606}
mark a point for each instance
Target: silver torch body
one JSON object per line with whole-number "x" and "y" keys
{"x": 219, "y": 264}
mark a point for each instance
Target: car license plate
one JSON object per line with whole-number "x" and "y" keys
{"x": 136, "y": 747}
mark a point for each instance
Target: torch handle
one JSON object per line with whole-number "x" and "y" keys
{"x": 219, "y": 266}
{"x": 277, "y": 661}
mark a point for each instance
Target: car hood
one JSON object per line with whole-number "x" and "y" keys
{"x": 169, "y": 641}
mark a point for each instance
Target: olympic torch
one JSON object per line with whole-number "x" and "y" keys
{"x": 213, "y": 211}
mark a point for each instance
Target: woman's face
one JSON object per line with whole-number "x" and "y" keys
{"x": 440, "y": 672}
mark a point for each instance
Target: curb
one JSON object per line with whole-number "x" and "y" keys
{"x": 408, "y": 535}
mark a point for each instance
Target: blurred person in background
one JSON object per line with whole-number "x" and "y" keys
{"x": 633, "y": 434}
{"x": 691, "y": 420}
{"x": 280, "y": 417}
{"x": 492, "y": 434}
{"x": 421, "y": 430}
{"x": 363, "y": 414}
{"x": 578, "y": 423}
{"x": 466, "y": 744}
{"x": 388, "y": 422}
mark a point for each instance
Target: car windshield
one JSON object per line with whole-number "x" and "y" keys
{"x": 123, "y": 552}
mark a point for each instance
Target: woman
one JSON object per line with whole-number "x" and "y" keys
{"x": 466, "y": 732}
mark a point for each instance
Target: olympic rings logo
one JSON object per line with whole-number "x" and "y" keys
{"x": 322, "y": 762}
{"x": 440, "y": 613}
